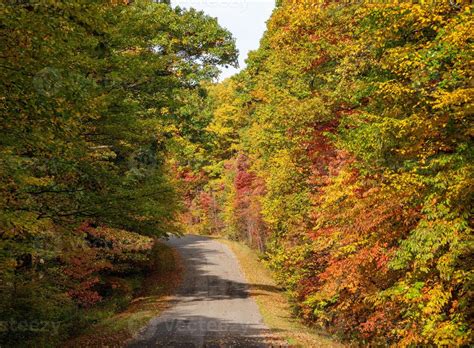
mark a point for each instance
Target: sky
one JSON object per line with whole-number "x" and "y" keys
{"x": 245, "y": 19}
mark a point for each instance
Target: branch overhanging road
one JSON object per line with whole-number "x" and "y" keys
{"x": 213, "y": 307}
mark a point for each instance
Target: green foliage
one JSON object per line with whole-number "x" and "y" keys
{"x": 90, "y": 95}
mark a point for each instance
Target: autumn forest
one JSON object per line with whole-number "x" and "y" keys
{"x": 342, "y": 154}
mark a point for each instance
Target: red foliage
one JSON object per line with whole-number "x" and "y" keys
{"x": 82, "y": 268}
{"x": 97, "y": 251}
{"x": 246, "y": 205}
{"x": 205, "y": 200}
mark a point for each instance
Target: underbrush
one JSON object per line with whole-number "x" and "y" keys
{"x": 120, "y": 317}
{"x": 66, "y": 288}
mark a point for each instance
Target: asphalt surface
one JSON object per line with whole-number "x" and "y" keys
{"x": 212, "y": 307}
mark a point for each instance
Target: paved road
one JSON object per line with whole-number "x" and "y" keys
{"x": 213, "y": 307}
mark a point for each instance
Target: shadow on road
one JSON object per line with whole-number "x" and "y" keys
{"x": 207, "y": 287}
{"x": 213, "y": 307}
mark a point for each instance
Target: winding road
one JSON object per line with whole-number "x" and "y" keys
{"x": 212, "y": 307}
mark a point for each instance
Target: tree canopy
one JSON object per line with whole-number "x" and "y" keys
{"x": 344, "y": 152}
{"x": 91, "y": 92}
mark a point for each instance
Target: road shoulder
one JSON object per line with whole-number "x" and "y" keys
{"x": 273, "y": 303}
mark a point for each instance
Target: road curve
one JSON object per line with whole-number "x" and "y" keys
{"x": 213, "y": 307}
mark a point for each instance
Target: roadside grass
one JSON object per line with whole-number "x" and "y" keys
{"x": 120, "y": 318}
{"x": 274, "y": 305}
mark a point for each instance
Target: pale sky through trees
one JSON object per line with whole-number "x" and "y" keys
{"x": 244, "y": 18}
